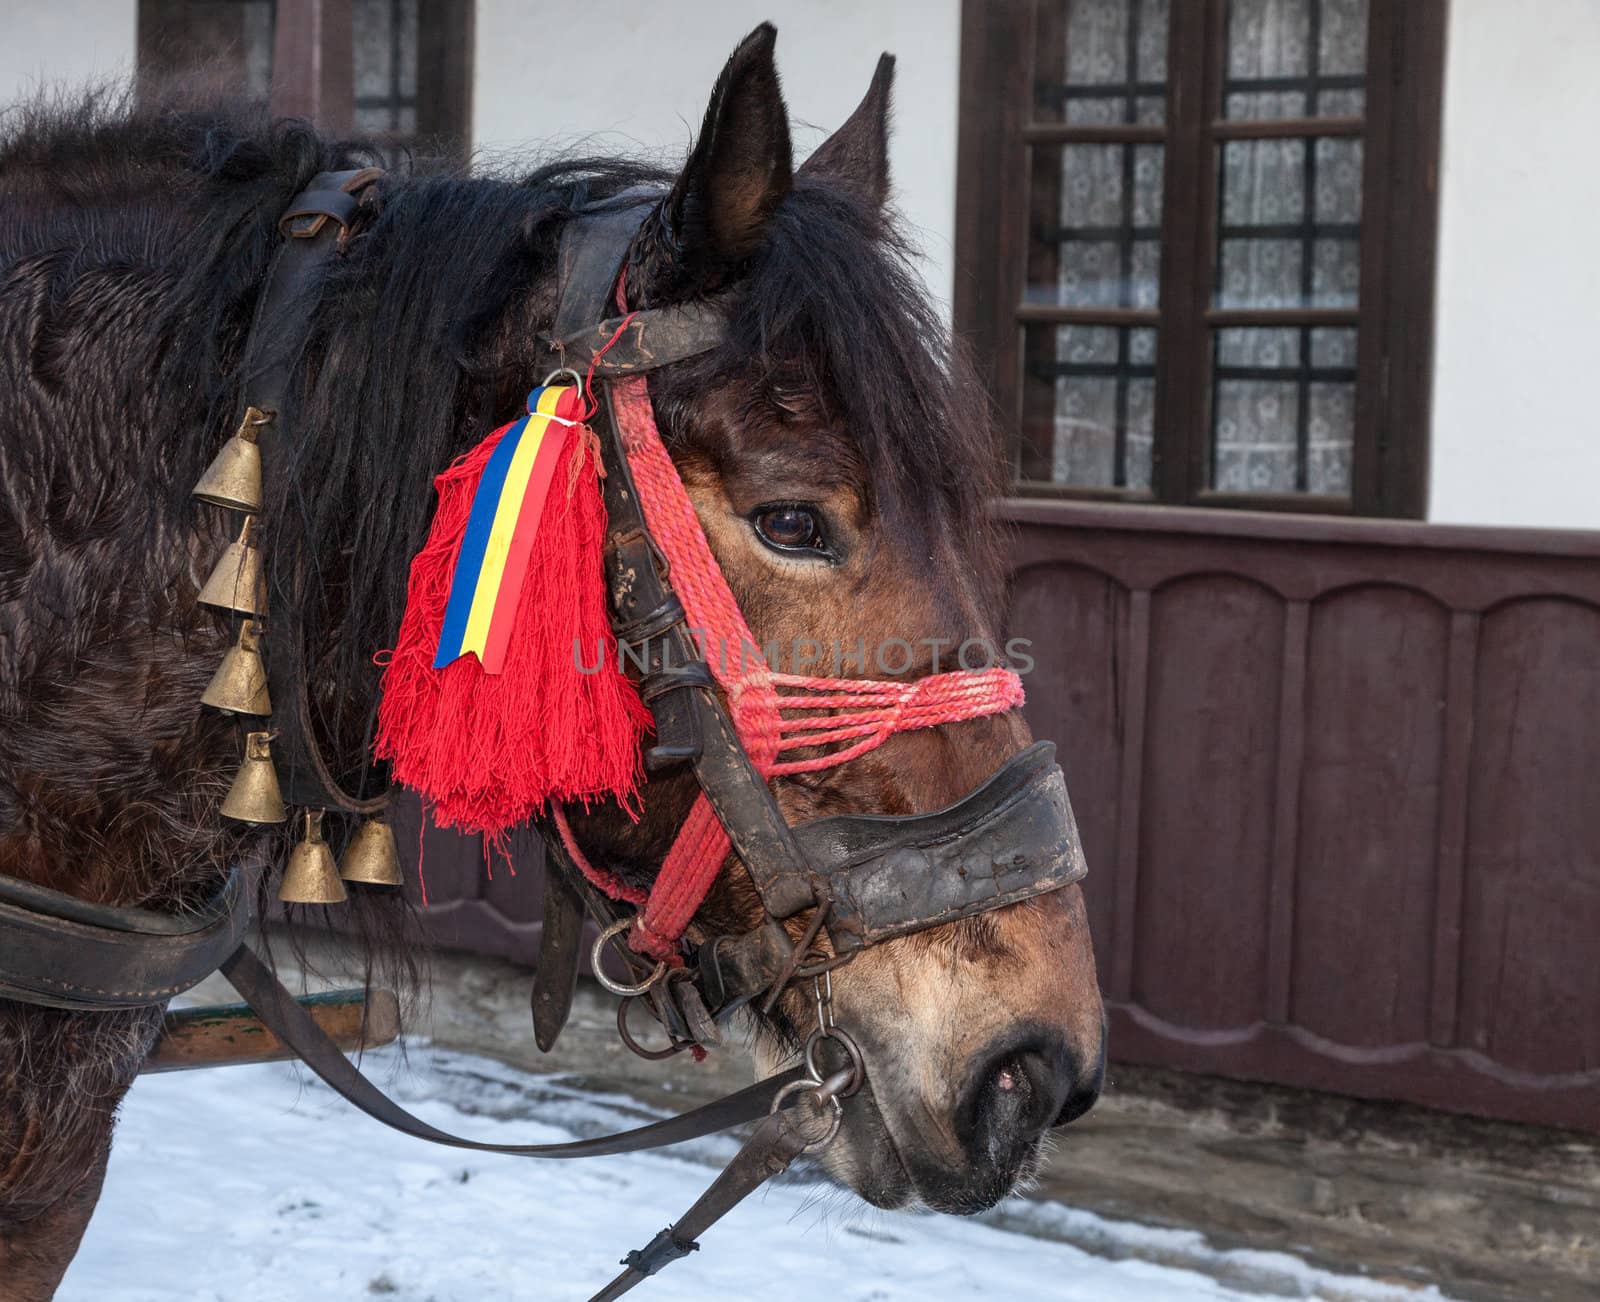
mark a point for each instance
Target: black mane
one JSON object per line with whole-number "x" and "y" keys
{"x": 139, "y": 237}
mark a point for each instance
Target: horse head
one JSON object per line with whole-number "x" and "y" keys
{"x": 841, "y": 460}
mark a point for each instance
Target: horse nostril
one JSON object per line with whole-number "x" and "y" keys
{"x": 1012, "y": 1100}
{"x": 1085, "y": 1091}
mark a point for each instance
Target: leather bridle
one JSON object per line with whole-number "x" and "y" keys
{"x": 866, "y": 878}
{"x": 862, "y": 878}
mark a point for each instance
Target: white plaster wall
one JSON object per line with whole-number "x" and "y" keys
{"x": 628, "y": 74}
{"x": 1516, "y": 411}
{"x": 64, "y": 43}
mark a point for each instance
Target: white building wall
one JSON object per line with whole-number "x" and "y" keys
{"x": 1516, "y": 409}
{"x": 636, "y": 74}
{"x": 64, "y": 43}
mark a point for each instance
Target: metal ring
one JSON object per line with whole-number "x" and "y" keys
{"x": 837, "y": 1120}
{"x": 673, "y": 1048}
{"x": 577, "y": 379}
{"x": 616, "y": 987}
{"x": 858, "y": 1067}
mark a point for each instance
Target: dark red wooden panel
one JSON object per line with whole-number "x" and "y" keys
{"x": 474, "y": 902}
{"x": 1530, "y": 988}
{"x": 441, "y": 865}
{"x": 1077, "y": 623}
{"x": 1206, "y": 818}
{"x": 515, "y": 887}
{"x": 1369, "y": 811}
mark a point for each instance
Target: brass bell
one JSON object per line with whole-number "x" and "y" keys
{"x": 240, "y": 684}
{"x": 233, "y": 479}
{"x": 311, "y": 876}
{"x": 254, "y": 796}
{"x": 236, "y": 582}
{"x": 372, "y": 855}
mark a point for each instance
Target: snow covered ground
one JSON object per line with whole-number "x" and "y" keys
{"x": 255, "y": 1183}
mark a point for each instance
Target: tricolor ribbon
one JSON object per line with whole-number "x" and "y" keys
{"x": 506, "y": 510}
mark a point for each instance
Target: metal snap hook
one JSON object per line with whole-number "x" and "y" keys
{"x": 617, "y": 987}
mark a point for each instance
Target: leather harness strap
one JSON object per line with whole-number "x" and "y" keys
{"x": 315, "y": 227}
{"x": 691, "y": 722}
{"x": 769, "y": 1152}
{"x": 291, "y": 1023}
{"x": 62, "y": 952}
{"x": 133, "y": 958}
{"x": 643, "y": 341}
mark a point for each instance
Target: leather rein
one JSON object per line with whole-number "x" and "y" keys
{"x": 862, "y": 878}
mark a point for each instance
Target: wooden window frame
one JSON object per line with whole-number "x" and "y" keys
{"x": 1399, "y": 235}
{"x": 313, "y": 70}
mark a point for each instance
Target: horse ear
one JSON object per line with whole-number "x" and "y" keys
{"x": 858, "y": 152}
{"x": 741, "y": 166}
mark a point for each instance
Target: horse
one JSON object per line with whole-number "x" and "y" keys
{"x": 837, "y": 450}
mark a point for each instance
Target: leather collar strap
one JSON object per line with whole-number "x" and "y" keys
{"x": 57, "y": 951}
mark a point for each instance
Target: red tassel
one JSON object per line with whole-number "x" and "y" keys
{"x": 488, "y": 751}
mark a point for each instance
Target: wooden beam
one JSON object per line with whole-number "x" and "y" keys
{"x": 1285, "y": 128}
{"x": 228, "y": 1035}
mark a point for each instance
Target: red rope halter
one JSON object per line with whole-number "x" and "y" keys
{"x": 774, "y": 713}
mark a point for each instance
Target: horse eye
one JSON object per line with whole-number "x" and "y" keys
{"x": 789, "y": 528}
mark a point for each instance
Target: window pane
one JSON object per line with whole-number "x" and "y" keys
{"x": 1101, "y": 61}
{"x": 1295, "y": 58}
{"x": 406, "y": 52}
{"x": 1342, "y": 38}
{"x": 1335, "y": 273}
{"x": 1283, "y": 410}
{"x": 258, "y": 48}
{"x": 372, "y": 28}
{"x": 1290, "y": 224}
{"x": 1088, "y": 405}
{"x": 1338, "y": 179}
{"x": 222, "y": 46}
{"x": 1096, "y": 228}
{"x": 385, "y": 65}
